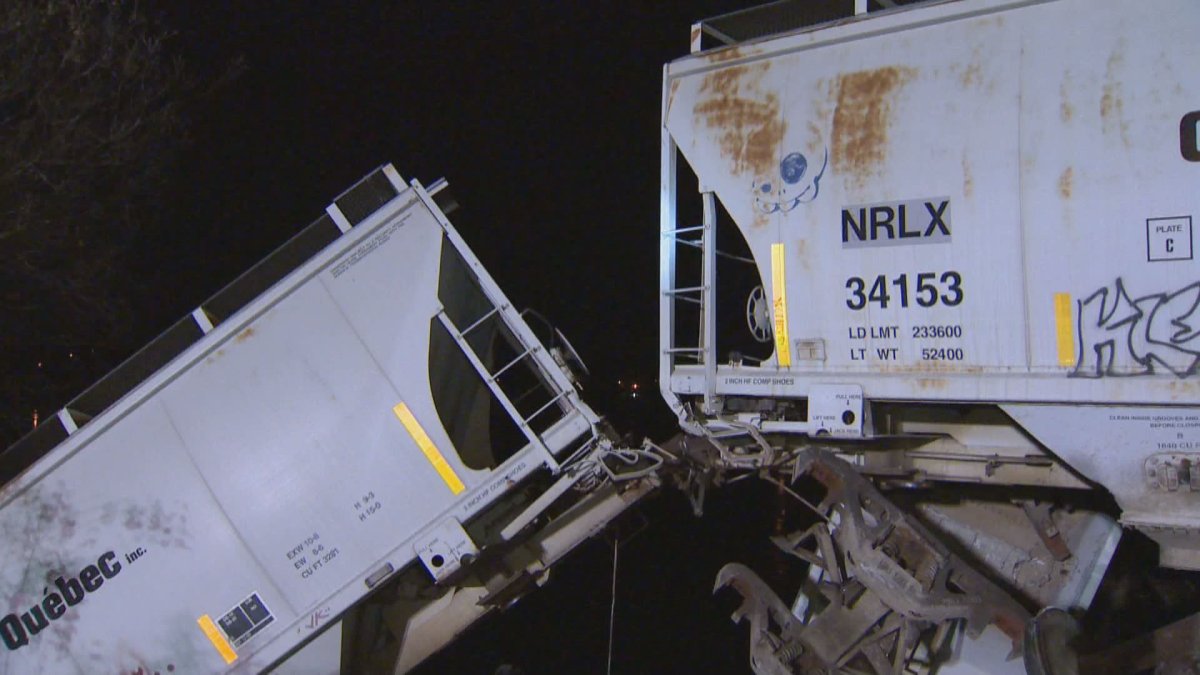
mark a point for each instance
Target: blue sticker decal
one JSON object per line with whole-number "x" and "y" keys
{"x": 792, "y": 168}
{"x": 796, "y": 185}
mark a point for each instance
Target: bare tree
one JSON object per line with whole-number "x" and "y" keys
{"x": 90, "y": 121}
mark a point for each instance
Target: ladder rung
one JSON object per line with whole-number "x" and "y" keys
{"x": 694, "y": 243}
{"x": 543, "y": 408}
{"x": 683, "y": 230}
{"x": 481, "y": 319}
{"x": 685, "y": 289}
{"x": 683, "y": 350}
{"x": 495, "y": 376}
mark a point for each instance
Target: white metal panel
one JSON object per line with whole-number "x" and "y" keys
{"x": 272, "y": 422}
{"x": 1101, "y": 161}
{"x": 1046, "y": 135}
{"x": 322, "y": 656}
{"x": 132, "y": 488}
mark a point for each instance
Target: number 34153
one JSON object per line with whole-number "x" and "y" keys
{"x": 926, "y": 289}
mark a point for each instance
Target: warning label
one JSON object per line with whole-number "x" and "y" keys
{"x": 245, "y": 621}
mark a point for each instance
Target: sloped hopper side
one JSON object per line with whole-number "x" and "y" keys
{"x": 482, "y": 431}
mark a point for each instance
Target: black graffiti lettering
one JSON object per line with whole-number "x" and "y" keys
{"x": 34, "y": 620}
{"x": 936, "y": 218}
{"x": 12, "y": 633}
{"x": 70, "y": 589}
{"x": 1105, "y": 323}
{"x": 1120, "y": 337}
{"x": 1172, "y": 328}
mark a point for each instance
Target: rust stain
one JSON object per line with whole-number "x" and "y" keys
{"x": 972, "y": 76}
{"x": 1184, "y": 390}
{"x": 1111, "y": 103}
{"x": 802, "y": 253}
{"x": 828, "y": 477}
{"x": 1066, "y": 111}
{"x": 1066, "y": 182}
{"x": 749, "y": 123}
{"x": 927, "y": 367}
{"x": 246, "y": 334}
{"x": 968, "y": 179}
{"x": 671, "y": 95}
{"x": 1112, "y": 97}
{"x": 695, "y": 35}
{"x": 821, "y": 102}
{"x": 862, "y": 118}
{"x": 725, "y": 54}
{"x": 931, "y": 384}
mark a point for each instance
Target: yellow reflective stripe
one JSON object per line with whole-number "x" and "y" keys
{"x": 431, "y": 452}
{"x": 1065, "y": 329}
{"x": 217, "y": 639}
{"x": 779, "y": 305}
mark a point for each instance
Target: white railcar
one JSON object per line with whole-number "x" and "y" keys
{"x": 345, "y": 410}
{"x": 968, "y": 223}
{"x": 950, "y": 243}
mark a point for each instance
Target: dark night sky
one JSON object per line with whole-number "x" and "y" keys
{"x": 544, "y": 117}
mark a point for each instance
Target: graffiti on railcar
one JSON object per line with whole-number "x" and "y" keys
{"x": 1119, "y": 336}
{"x": 796, "y": 183}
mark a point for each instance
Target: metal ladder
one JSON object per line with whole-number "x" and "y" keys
{"x": 491, "y": 379}
{"x": 703, "y": 295}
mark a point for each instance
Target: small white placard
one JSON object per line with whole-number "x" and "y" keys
{"x": 1169, "y": 238}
